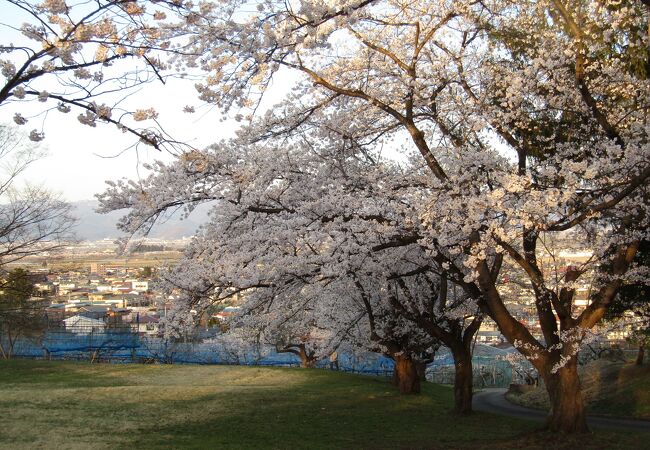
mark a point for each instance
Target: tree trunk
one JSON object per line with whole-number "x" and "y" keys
{"x": 567, "y": 407}
{"x": 421, "y": 368}
{"x": 2, "y": 351}
{"x": 639, "y": 356}
{"x": 307, "y": 363}
{"x": 463, "y": 380}
{"x": 9, "y": 352}
{"x": 405, "y": 375}
{"x": 307, "y": 360}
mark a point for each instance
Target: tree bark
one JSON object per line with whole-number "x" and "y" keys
{"x": 639, "y": 356}
{"x": 463, "y": 380}
{"x": 307, "y": 360}
{"x": 421, "y": 369}
{"x": 405, "y": 375}
{"x": 307, "y": 363}
{"x": 9, "y": 352}
{"x": 567, "y": 413}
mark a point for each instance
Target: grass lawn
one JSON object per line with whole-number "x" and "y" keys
{"x": 59, "y": 405}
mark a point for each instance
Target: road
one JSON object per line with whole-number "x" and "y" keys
{"x": 494, "y": 401}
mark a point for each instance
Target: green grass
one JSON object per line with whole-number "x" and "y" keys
{"x": 59, "y": 405}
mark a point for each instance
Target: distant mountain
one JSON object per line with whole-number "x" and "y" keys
{"x": 93, "y": 226}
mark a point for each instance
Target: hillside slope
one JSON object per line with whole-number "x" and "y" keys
{"x": 609, "y": 389}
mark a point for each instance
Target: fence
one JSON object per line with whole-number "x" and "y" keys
{"x": 124, "y": 346}
{"x": 488, "y": 372}
{"x": 108, "y": 339}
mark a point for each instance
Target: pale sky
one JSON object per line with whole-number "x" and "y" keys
{"x": 80, "y": 158}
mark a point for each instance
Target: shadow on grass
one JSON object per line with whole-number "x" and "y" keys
{"x": 324, "y": 411}
{"x": 544, "y": 440}
{"x": 77, "y": 405}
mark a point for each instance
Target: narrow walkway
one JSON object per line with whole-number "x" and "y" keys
{"x": 494, "y": 401}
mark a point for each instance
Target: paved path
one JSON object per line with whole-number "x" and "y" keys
{"x": 494, "y": 401}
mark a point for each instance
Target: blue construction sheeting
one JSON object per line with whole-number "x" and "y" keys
{"x": 490, "y": 366}
{"x": 120, "y": 346}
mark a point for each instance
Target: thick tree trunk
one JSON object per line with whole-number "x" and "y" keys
{"x": 639, "y": 356}
{"x": 567, "y": 407}
{"x": 463, "y": 381}
{"x": 307, "y": 363}
{"x": 405, "y": 375}
{"x": 307, "y": 360}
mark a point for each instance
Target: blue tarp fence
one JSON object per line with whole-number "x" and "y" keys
{"x": 125, "y": 346}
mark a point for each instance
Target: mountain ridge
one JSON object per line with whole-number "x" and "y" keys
{"x": 92, "y": 226}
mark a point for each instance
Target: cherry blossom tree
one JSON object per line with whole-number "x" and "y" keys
{"x": 285, "y": 318}
{"x": 86, "y": 57}
{"x": 531, "y": 117}
{"x": 319, "y": 233}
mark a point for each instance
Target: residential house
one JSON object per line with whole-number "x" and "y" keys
{"x": 80, "y": 324}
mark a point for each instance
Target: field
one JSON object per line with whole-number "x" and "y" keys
{"x": 80, "y": 260}
{"x": 79, "y": 405}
